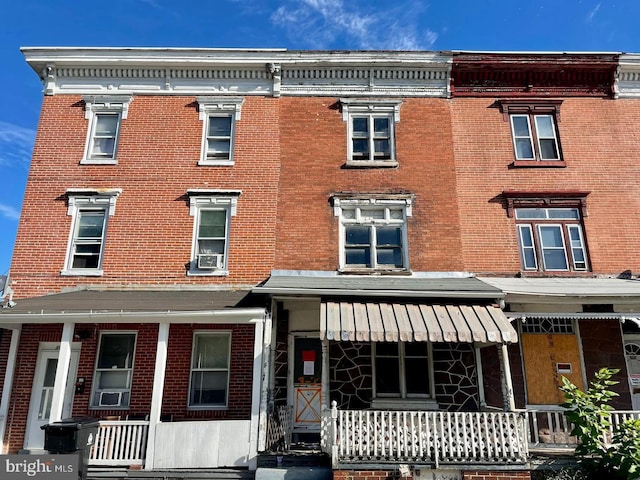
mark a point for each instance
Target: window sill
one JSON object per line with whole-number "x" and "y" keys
{"x": 371, "y": 164}
{"x": 372, "y": 271}
{"x": 207, "y": 408}
{"x": 216, "y": 163}
{"x": 546, "y": 273}
{"x": 97, "y": 161}
{"x": 405, "y": 403}
{"x": 538, "y": 164}
{"x": 82, "y": 273}
{"x": 208, "y": 273}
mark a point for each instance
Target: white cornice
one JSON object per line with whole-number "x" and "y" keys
{"x": 628, "y": 76}
{"x": 239, "y": 72}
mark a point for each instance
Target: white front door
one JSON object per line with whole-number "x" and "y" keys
{"x": 632, "y": 354}
{"x": 42, "y": 392}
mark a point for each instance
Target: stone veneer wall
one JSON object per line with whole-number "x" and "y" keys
{"x": 454, "y": 369}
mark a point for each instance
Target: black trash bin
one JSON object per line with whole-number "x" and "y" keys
{"x": 72, "y": 435}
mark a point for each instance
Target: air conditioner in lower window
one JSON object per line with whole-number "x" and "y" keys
{"x": 110, "y": 399}
{"x": 210, "y": 261}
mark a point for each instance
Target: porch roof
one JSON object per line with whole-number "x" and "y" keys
{"x": 408, "y": 322}
{"x": 134, "y": 304}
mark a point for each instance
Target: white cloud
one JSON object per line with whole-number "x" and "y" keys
{"x": 324, "y": 23}
{"x": 10, "y": 212}
{"x": 593, "y": 13}
{"x": 16, "y": 144}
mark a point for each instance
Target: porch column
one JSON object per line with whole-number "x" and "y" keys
{"x": 156, "y": 396}
{"x": 256, "y": 392}
{"x": 62, "y": 371}
{"x": 324, "y": 407}
{"x": 507, "y": 385}
{"x": 483, "y": 400}
{"x": 265, "y": 384}
{"x": 8, "y": 382}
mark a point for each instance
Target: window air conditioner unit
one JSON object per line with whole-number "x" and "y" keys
{"x": 110, "y": 399}
{"x": 210, "y": 261}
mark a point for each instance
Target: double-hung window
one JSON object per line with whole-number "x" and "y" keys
{"x": 402, "y": 370}
{"x": 219, "y": 116}
{"x": 209, "y": 380}
{"x": 105, "y": 115}
{"x": 549, "y": 227}
{"x": 114, "y": 370}
{"x": 90, "y": 213}
{"x": 551, "y": 239}
{"x": 373, "y": 233}
{"x": 212, "y": 211}
{"x": 371, "y": 131}
{"x": 534, "y": 131}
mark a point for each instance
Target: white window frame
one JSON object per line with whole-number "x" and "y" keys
{"x": 371, "y": 109}
{"x": 192, "y": 369}
{"x": 390, "y": 400}
{"x": 82, "y": 201}
{"x": 220, "y": 200}
{"x": 95, "y": 106}
{"x": 534, "y": 137}
{"x": 95, "y": 391}
{"x": 358, "y": 208}
{"x": 565, "y": 225}
{"x": 209, "y": 107}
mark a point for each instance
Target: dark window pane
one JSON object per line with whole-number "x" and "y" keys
{"x": 358, "y": 256}
{"x": 91, "y": 224}
{"x": 212, "y": 223}
{"x": 387, "y": 380}
{"x": 520, "y": 126}
{"x": 211, "y": 351}
{"x": 219, "y": 126}
{"x": 548, "y": 149}
{"x": 523, "y": 148}
{"x": 356, "y": 235}
{"x": 382, "y": 148}
{"x": 116, "y": 351}
{"x": 417, "y": 375}
{"x": 106, "y": 125}
{"x": 389, "y": 235}
{"x": 389, "y": 256}
{"x": 360, "y": 149}
{"x": 208, "y": 388}
{"x": 360, "y": 126}
{"x": 381, "y": 127}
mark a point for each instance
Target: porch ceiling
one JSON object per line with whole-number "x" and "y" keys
{"x": 409, "y": 322}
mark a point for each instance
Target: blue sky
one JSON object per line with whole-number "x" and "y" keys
{"x": 495, "y": 25}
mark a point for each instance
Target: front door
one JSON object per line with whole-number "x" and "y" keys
{"x": 306, "y": 384}
{"x": 547, "y": 358}
{"x": 632, "y": 354}
{"x": 42, "y": 392}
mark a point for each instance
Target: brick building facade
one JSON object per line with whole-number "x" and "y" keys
{"x": 208, "y": 236}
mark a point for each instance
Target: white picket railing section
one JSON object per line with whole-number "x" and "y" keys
{"x": 550, "y": 428}
{"x": 120, "y": 442}
{"x": 429, "y": 437}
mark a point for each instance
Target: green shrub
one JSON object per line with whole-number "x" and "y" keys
{"x": 605, "y": 452}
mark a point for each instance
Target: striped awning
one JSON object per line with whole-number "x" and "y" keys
{"x": 408, "y": 322}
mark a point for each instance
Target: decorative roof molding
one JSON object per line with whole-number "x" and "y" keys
{"x": 92, "y": 197}
{"x": 628, "y": 77}
{"x": 240, "y": 72}
{"x": 534, "y": 74}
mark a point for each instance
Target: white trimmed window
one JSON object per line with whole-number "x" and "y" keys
{"x": 105, "y": 115}
{"x": 371, "y": 131}
{"x": 114, "y": 370}
{"x": 219, "y": 116}
{"x": 209, "y": 379}
{"x": 90, "y": 211}
{"x": 373, "y": 233}
{"x": 551, "y": 239}
{"x": 402, "y": 370}
{"x": 212, "y": 211}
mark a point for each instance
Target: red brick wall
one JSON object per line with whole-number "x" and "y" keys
{"x": 314, "y": 153}
{"x": 601, "y": 157}
{"x": 150, "y": 236}
{"x": 176, "y": 378}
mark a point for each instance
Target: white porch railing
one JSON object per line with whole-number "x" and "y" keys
{"x": 552, "y": 429}
{"x": 120, "y": 442}
{"x": 367, "y": 436}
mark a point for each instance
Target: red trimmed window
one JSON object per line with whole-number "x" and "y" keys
{"x": 534, "y": 131}
{"x": 550, "y": 231}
